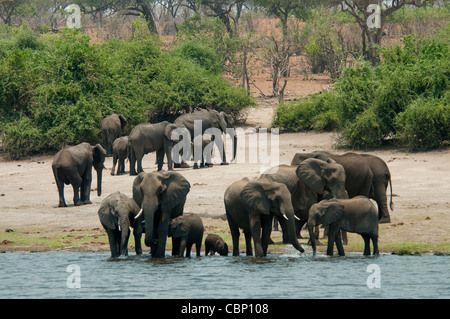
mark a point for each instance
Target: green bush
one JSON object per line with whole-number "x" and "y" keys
{"x": 408, "y": 90}
{"x": 56, "y": 88}
{"x": 425, "y": 124}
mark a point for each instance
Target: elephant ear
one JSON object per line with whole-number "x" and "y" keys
{"x": 175, "y": 187}
{"x": 178, "y": 228}
{"x": 170, "y": 128}
{"x": 106, "y": 216}
{"x": 99, "y": 155}
{"x": 333, "y": 212}
{"x": 254, "y": 196}
{"x": 123, "y": 121}
{"x": 137, "y": 192}
{"x": 310, "y": 173}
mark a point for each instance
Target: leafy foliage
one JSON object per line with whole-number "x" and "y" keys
{"x": 56, "y": 88}
{"x": 406, "y": 97}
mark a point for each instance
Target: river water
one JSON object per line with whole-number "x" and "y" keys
{"x": 281, "y": 276}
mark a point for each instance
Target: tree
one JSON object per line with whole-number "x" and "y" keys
{"x": 371, "y": 17}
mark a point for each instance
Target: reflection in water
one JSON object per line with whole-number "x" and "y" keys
{"x": 288, "y": 275}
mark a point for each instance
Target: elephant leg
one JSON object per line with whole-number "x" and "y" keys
{"x": 234, "y": 230}
{"x": 188, "y": 250}
{"x": 366, "y": 238}
{"x": 255, "y": 229}
{"x": 266, "y": 231}
{"x": 113, "y": 169}
{"x": 175, "y": 246}
{"x": 132, "y": 161}
{"x": 85, "y": 190}
{"x": 60, "y": 185}
{"x": 248, "y": 243}
{"x": 338, "y": 241}
{"x": 113, "y": 239}
{"x": 137, "y": 233}
{"x": 198, "y": 246}
{"x": 332, "y": 233}
{"x": 139, "y": 163}
{"x": 344, "y": 237}
{"x": 375, "y": 245}
{"x": 160, "y": 159}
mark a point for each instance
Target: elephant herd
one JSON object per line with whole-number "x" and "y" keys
{"x": 317, "y": 188}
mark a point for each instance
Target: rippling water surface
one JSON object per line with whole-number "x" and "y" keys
{"x": 284, "y": 276}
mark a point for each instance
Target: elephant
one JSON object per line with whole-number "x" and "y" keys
{"x": 73, "y": 165}
{"x": 185, "y": 231}
{"x": 121, "y": 151}
{"x": 207, "y": 142}
{"x": 209, "y": 119}
{"x": 251, "y": 205}
{"x": 310, "y": 181}
{"x": 355, "y": 215}
{"x": 214, "y": 243}
{"x": 161, "y": 197}
{"x": 112, "y": 126}
{"x": 117, "y": 214}
{"x": 146, "y": 138}
{"x": 366, "y": 175}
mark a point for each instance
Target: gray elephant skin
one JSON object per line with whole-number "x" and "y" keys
{"x": 146, "y": 138}
{"x": 215, "y": 244}
{"x": 307, "y": 183}
{"x": 251, "y": 205}
{"x": 73, "y": 165}
{"x": 366, "y": 175}
{"x": 161, "y": 197}
{"x": 117, "y": 214}
{"x": 209, "y": 119}
{"x": 121, "y": 152}
{"x": 112, "y": 126}
{"x": 355, "y": 215}
{"x": 186, "y": 230}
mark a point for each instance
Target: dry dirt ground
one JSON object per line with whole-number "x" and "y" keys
{"x": 421, "y": 187}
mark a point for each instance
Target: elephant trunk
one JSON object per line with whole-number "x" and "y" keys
{"x": 125, "y": 233}
{"x": 312, "y": 236}
{"x": 99, "y": 180}
{"x": 149, "y": 209}
{"x": 290, "y": 224}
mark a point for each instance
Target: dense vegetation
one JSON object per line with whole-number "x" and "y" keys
{"x": 56, "y": 88}
{"x": 406, "y": 97}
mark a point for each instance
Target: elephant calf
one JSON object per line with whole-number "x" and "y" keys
{"x": 121, "y": 151}
{"x": 356, "y": 215}
{"x": 185, "y": 231}
{"x": 214, "y": 243}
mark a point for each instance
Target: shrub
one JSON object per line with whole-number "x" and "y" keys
{"x": 22, "y": 137}
{"x": 425, "y": 124}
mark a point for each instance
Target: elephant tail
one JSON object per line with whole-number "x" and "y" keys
{"x": 391, "y": 204}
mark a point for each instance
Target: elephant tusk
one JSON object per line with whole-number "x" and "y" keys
{"x": 285, "y": 217}
{"x": 139, "y": 214}
{"x": 296, "y": 217}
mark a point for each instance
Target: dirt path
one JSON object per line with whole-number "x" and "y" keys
{"x": 421, "y": 186}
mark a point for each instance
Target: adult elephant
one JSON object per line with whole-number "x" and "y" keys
{"x": 251, "y": 205}
{"x": 117, "y": 214}
{"x": 209, "y": 119}
{"x": 112, "y": 126}
{"x": 146, "y": 138}
{"x": 308, "y": 182}
{"x": 161, "y": 197}
{"x": 73, "y": 165}
{"x": 366, "y": 175}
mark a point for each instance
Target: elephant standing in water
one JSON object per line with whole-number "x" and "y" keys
{"x": 251, "y": 205}
{"x": 185, "y": 231}
{"x": 112, "y": 127}
{"x": 307, "y": 182}
{"x": 146, "y": 138}
{"x": 117, "y": 214}
{"x": 355, "y": 215}
{"x": 73, "y": 165}
{"x": 161, "y": 197}
{"x": 366, "y": 175}
{"x": 209, "y": 119}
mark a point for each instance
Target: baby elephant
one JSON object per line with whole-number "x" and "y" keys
{"x": 214, "y": 243}
{"x": 185, "y": 231}
{"x": 356, "y": 215}
{"x": 121, "y": 151}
